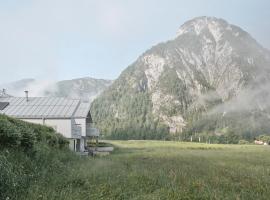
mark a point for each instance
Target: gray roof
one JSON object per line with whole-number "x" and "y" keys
{"x": 44, "y": 107}
{"x": 82, "y": 110}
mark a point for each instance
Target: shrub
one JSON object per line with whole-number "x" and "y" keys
{"x": 264, "y": 138}
{"x": 9, "y": 134}
{"x": 15, "y": 132}
{"x": 243, "y": 142}
{"x": 30, "y": 154}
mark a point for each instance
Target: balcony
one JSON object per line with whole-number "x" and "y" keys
{"x": 91, "y": 132}
{"x": 76, "y": 131}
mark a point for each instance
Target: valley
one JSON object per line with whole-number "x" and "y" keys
{"x": 134, "y": 100}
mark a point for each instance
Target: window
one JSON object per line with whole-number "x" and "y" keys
{"x": 3, "y": 105}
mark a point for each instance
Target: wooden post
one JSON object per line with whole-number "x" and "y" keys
{"x": 96, "y": 142}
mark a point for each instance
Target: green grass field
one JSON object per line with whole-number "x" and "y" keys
{"x": 36, "y": 164}
{"x": 164, "y": 170}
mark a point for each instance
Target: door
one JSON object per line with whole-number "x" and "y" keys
{"x": 78, "y": 145}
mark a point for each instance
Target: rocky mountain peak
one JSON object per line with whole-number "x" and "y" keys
{"x": 215, "y": 26}
{"x": 209, "y": 65}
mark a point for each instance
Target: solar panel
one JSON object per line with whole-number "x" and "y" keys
{"x": 3, "y": 105}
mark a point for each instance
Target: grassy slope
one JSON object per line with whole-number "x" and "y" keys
{"x": 166, "y": 170}
{"x": 30, "y": 155}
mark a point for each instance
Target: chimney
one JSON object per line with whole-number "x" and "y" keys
{"x": 26, "y": 95}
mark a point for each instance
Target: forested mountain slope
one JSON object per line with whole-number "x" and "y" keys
{"x": 212, "y": 77}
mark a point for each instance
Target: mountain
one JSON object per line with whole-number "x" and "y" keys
{"x": 85, "y": 88}
{"x": 212, "y": 77}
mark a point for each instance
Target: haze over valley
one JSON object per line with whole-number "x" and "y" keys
{"x": 156, "y": 99}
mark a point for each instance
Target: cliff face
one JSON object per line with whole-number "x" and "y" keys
{"x": 209, "y": 68}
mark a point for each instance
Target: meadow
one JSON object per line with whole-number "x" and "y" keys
{"x": 35, "y": 163}
{"x": 163, "y": 170}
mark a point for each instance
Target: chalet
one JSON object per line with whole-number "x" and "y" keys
{"x": 70, "y": 117}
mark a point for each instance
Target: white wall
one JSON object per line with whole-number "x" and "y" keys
{"x": 72, "y": 144}
{"x": 62, "y": 126}
{"x": 82, "y": 123}
{"x": 35, "y": 121}
{"x": 83, "y": 144}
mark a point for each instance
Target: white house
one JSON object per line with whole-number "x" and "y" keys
{"x": 70, "y": 117}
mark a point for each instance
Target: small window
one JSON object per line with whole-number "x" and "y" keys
{"x": 3, "y": 105}
{"x": 89, "y": 118}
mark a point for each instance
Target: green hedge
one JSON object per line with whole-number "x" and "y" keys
{"x": 19, "y": 134}
{"x": 30, "y": 155}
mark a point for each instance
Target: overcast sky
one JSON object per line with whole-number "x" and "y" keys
{"x": 64, "y": 39}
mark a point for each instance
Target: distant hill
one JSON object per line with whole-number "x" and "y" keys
{"x": 85, "y": 88}
{"x": 212, "y": 77}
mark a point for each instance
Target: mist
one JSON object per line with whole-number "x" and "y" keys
{"x": 36, "y": 88}
{"x": 247, "y": 100}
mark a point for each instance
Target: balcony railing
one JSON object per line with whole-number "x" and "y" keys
{"x": 92, "y": 132}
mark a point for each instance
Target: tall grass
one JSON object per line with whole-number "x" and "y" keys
{"x": 137, "y": 170}
{"x": 29, "y": 155}
{"x": 160, "y": 170}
